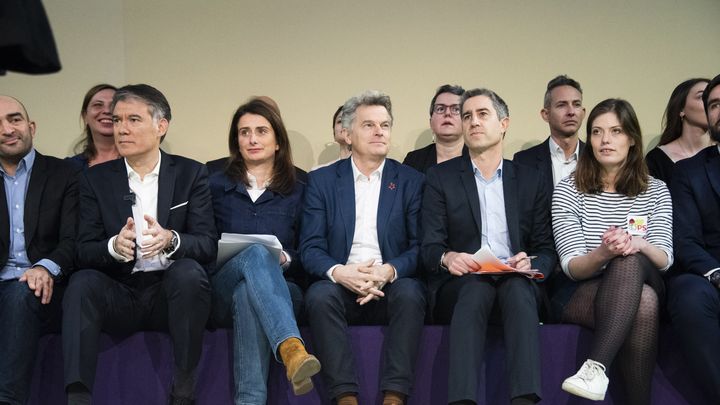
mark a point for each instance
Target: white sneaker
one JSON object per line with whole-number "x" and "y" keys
{"x": 589, "y": 382}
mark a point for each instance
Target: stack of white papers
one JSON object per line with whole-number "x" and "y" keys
{"x": 230, "y": 244}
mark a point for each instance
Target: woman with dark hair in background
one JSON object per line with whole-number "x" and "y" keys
{"x": 260, "y": 192}
{"x": 339, "y": 138}
{"x": 98, "y": 144}
{"x": 684, "y": 129}
{"x": 613, "y": 230}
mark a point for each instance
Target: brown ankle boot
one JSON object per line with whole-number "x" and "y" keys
{"x": 299, "y": 365}
{"x": 347, "y": 399}
{"x": 393, "y": 398}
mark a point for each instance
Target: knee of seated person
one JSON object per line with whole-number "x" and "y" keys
{"x": 83, "y": 283}
{"x": 523, "y": 291}
{"x": 186, "y": 273}
{"x": 254, "y": 256}
{"x": 649, "y": 306}
{"x": 407, "y": 292}
{"x": 692, "y": 294}
{"x": 323, "y": 295}
{"x": 260, "y": 252}
{"x": 631, "y": 261}
{"x": 19, "y": 296}
{"x": 471, "y": 288}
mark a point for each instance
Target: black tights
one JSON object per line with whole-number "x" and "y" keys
{"x": 622, "y": 307}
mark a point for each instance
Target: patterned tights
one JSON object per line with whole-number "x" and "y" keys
{"x": 622, "y": 307}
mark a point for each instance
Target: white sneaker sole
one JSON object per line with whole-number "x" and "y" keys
{"x": 575, "y": 390}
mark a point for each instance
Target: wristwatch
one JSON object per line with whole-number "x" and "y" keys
{"x": 714, "y": 278}
{"x": 174, "y": 241}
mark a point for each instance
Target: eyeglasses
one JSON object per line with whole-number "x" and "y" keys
{"x": 441, "y": 108}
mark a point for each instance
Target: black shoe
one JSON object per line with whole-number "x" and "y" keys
{"x": 181, "y": 401}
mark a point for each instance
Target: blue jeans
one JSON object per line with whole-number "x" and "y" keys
{"x": 21, "y": 317}
{"x": 250, "y": 292}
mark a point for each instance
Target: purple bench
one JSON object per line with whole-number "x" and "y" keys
{"x": 137, "y": 369}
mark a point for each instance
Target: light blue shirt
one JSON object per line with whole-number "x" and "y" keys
{"x": 492, "y": 211}
{"x": 15, "y": 190}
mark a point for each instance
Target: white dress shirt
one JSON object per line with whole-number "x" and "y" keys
{"x": 365, "y": 245}
{"x": 146, "y": 193}
{"x": 562, "y": 167}
{"x": 253, "y": 190}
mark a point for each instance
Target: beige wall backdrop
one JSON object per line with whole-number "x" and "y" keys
{"x": 310, "y": 56}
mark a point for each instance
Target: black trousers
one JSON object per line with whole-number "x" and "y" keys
{"x": 466, "y": 302}
{"x": 331, "y": 307}
{"x": 694, "y": 307}
{"x": 176, "y": 300}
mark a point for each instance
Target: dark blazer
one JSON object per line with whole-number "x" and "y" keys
{"x": 422, "y": 159}
{"x": 451, "y": 216}
{"x": 328, "y": 223}
{"x": 105, "y": 206}
{"x": 696, "y": 212}
{"x": 539, "y": 157}
{"x": 271, "y": 214}
{"x": 216, "y": 165}
{"x": 50, "y": 213}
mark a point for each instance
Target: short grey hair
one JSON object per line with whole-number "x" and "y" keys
{"x": 368, "y": 97}
{"x": 501, "y": 108}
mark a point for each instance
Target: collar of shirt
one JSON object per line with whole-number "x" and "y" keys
{"x": 478, "y": 173}
{"x": 357, "y": 174}
{"x": 133, "y": 174}
{"x": 559, "y": 154}
{"x": 25, "y": 164}
{"x": 253, "y": 190}
{"x": 253, "y": 183}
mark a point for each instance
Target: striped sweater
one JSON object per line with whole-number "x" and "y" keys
{"x": 579, "y": 219}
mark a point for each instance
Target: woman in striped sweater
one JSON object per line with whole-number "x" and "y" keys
{"x": 613, "y": 230}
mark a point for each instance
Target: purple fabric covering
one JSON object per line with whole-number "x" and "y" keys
{"x": 137, "y": 369}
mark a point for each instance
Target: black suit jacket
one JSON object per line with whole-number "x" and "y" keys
{"x": 105, "y": 207}
{"x": 422, "y": 159}
{"x": 451, "y": 218}
{"x": 696, "y": 212}
{"x": 539, "y": 157}
{"x": 50, "y": 213}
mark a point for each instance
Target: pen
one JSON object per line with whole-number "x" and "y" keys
{"x": 528, "y": 258}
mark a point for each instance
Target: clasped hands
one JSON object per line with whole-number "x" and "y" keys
{"x": 364, "y": 279}
{"x": 154, "y": 239}
{"x": 459, "y": 263}
{"x": 617, "y": 241}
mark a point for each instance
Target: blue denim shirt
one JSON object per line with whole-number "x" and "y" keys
{"x": 271, "y": 214}
{"x": 15, "y": 190}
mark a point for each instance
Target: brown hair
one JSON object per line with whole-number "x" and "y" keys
{"x": 87, "y": 144}
{"x": 672, "y": 122}
{"x": 283, "y": 176}
{"x": 633, "y": 176}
